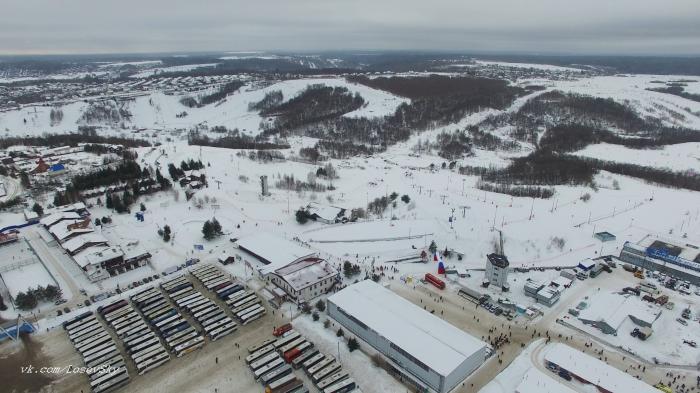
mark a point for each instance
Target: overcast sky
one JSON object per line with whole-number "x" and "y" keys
{"x": 537, "y": 26}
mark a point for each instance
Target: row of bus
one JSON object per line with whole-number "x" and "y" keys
{"x": 215, "y": 323}
{"x": 178, "y": 334}
{"x": 244, "y": 304}
{"x": 106, "y": 368}
{"x": 142, "y": 345}
{"x": 272, "y": 363}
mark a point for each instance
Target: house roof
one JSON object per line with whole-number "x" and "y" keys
{"x": 594, "y": 370}
{"x": 431, "y": 340}
{"x": 62, "y": 232}
{"x": 326, "y": 212}
{"x": 54, "y": 218}
{"x": 97, "y": 255}
{"x": 78, "y": 242}
{"x": 613, "y": 309}
{"x": 275, "y": 251}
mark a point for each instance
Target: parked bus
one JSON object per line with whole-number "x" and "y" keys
{"x": 182, "y": 292}
{"x": 313, "y": 360}
{"x": 284, "y": 384}
{"x": 256, "y": 347}
{"x": 263, "y": 360}
{"x": 69, "y": 323}
{"x": 291, "y": 345}
{"x": 252, "y": 316}
{"x": 268, "y": 367}
{"x": 286, "y": 338}
{"x": 223, "y": 330}
{"x": 332, "y": 379}
{"x": 275, "y": 374}
{"x": 115, "y": 315}
{"x": 320, "y": 365}
{"x": 189, "y": 346}
{"x": 100, "y": 334}
{"x": 296, "y": 351}
{"x": 344, "y": 386}
{"x": 191, "y": 296}
{"x": 100, "y": 352}
{"x": 305, "y": 355}
{"x": 153, "y": 362}
{"x": 97, "y": 348}
{"x": 171, "y": 339}
{"x": 88, "y": 347}
{"x": 326, "y": 371}
{"x": 112, "y": 382}
{"x": 251, "y": 302}
{"x": 166, "y": 319}
{"x": 259, "y": 353}
{"x": 183, "y": 339}
{"x": 237, "y": 296}
{"x": 104, "y": 310}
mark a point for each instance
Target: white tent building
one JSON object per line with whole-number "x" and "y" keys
{"x": 429, "y": 351}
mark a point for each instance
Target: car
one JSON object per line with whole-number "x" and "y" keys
{"x": 682, "y": 321}
{"x": 691, "y": 343}
{"x": 565, "y": 375}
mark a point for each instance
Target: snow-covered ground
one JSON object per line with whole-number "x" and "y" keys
{"x": 158, "y": 111}
{"x": 179, "y": 68}
{"x": 681, "y": 157}
{"x": 666, "y": 343}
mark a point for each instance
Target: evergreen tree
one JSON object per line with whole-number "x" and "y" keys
{"x": 353, "y": 344}
{"x": 25, "y": 301}
{"x": 24, "y": 180}
{"x": 109, "y": 202}
{"x": 38, "y": 209}
{"x": 302, "y": 217}
{"x": 208, "y": 230}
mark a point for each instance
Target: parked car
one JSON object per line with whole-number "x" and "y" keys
{"x": 682, "y": 321}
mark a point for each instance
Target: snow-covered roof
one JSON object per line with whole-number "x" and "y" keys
{"x": 595, "y": 371}
{"x": 54, "y": 218}
{"x": 535, "y": 381}
{"x": 275, "y": 251}
{"x": 62, "y": 232}
{"x": 436, "y": 343}
{"x": 325, "y": 212}
{"x": 613, "y": 309}
{"x": 95, "y": 256}
{"x": 77, "y": 242}
{"x": 561, "y": 281}
{"x": 306, "y": 271}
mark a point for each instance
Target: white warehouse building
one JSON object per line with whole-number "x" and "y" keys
{"x": 427, "y": 349}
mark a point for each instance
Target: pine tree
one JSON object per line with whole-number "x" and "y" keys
{"x": 38, "y": 209}
{"x": 109, "y": 202}
{"x": 208, "y": 230}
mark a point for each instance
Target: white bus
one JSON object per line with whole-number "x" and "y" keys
{"x": 154, "y": 306}
{"x": 152, "y": 363}
{"x": 208, "y": 312}
{"x": 250, "y": 303}
{"x": 346, "y": 385}
{"x": 124, "y": 310}
{"x": 237, "y": 296}
{"x": 190, "y": 296}
{"x": 147, "y": 352}
{"x": 275, "y": 374}
{"x": 85, "y": 330}
{"x": 252, "y": 316}
{"x": 84, "y": 340}
{"x": 223, "y": 330}
{"x": 94, "y": 344}
{"x": 126, "y": 321}
{"x": 182, "y": 339}
{"x": 259, "y": 346}
{"x": 154, "y": 314}
{"x": 181, "y": 292}
{"x": 211, "y": 284}
{"x": 264, "y": 360}
{"x": 97, "y": 348}
{"x": 291, "y": 345}
{"x": 186, "y": 347}
{"x": 123, "y": 331}
{"x": 215, "y": 322}
{"x": 243, "y": 300}
{"x": 201, "y": 307}
{"x": 136, "y": 329}
{"x": 112, "y": 382}
{"x": 175, "y": 336}
{"x": 168, "y": 320}
{"x": 247, "y": 309}
{"x": 326, "y": 371}
{"x": 320, "y": 365}
{"x": 332, "y": 379}
{"x": 194, "y": 302}
{"x": 305, "y": 355}
{"x": 79, "y": 328}
{"x": 101, "y": 352}
{"x": 259, "y": 353}
{"x": 145, "y": 344}
{"x": 268, "y": 367}
{"x": 80, "y": 319}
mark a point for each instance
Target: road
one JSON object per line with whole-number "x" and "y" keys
{"x": 49, "y": 259}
